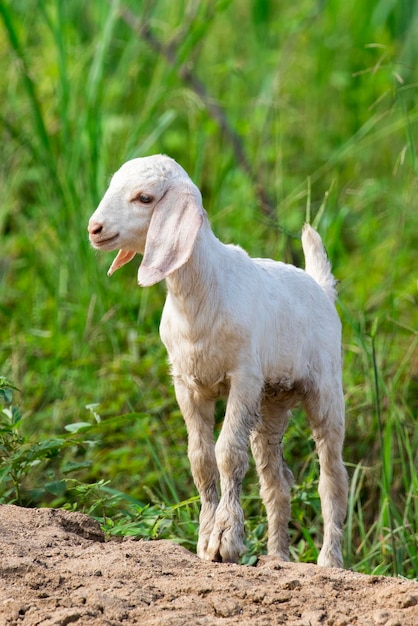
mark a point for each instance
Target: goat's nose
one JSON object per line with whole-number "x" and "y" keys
{"x": 95, "y": 228}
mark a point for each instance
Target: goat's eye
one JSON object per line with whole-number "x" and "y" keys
{"x": 144, "y": 198}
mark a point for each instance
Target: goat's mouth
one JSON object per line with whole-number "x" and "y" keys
{"x": 105, "y": 244}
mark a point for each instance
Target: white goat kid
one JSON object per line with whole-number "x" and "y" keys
{"x": 262, "y": 333}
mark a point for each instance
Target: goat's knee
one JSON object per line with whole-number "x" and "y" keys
{"x": 231, "y": 460}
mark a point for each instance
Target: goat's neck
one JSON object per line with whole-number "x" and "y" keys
{"x": 195, "y": 286}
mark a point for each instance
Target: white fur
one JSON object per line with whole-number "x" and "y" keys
{"x": 262, "y": 333}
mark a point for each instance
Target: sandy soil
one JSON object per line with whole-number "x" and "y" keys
{"x": 56, "y": 569}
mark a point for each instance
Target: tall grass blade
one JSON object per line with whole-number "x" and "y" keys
{"x": 41, "y": 131}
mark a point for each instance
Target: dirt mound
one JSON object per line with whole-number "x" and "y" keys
{"x": 56, "y": 569}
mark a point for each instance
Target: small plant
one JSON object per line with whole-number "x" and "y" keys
{"x": 121, "y": 515}
{"x": 10, "y": 442}
{"x": 20, "y": 454}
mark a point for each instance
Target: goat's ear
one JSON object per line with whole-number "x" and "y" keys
{"x": 122, "y": 257}
{"x": 174, "y": 226}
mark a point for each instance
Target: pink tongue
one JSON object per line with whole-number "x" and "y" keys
{"x": 123, "y": 257}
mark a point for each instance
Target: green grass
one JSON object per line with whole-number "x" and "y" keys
{"x": 312, "y": 112}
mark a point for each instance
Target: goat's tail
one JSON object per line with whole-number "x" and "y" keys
{"x": 317, "y": 264}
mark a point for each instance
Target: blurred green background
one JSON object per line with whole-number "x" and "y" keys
{"x": 279, "y": 111}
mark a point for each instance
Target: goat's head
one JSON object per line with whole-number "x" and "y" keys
{"x": 153, "y": 208}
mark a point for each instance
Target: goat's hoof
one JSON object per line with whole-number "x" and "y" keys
{"x": 224, "y": 547}
{"x": 202, "y": 547}
{"x": 207, "y": 554}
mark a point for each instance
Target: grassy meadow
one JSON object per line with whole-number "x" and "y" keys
{"x": 280, "y": 112}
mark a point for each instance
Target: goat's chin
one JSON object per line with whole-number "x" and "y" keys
{"x": 110, "y": 244}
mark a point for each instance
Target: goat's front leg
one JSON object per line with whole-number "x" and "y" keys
{"x": 242, "y": 414}
{"x": 198, "y": 413}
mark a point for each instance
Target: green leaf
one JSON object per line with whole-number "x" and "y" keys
{"x": 6, "y": 394}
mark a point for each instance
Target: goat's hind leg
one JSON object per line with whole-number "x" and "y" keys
{"x": 326, "y": 415}
{"x": 275, "y": 477}
{"x": 198, "y": 413}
